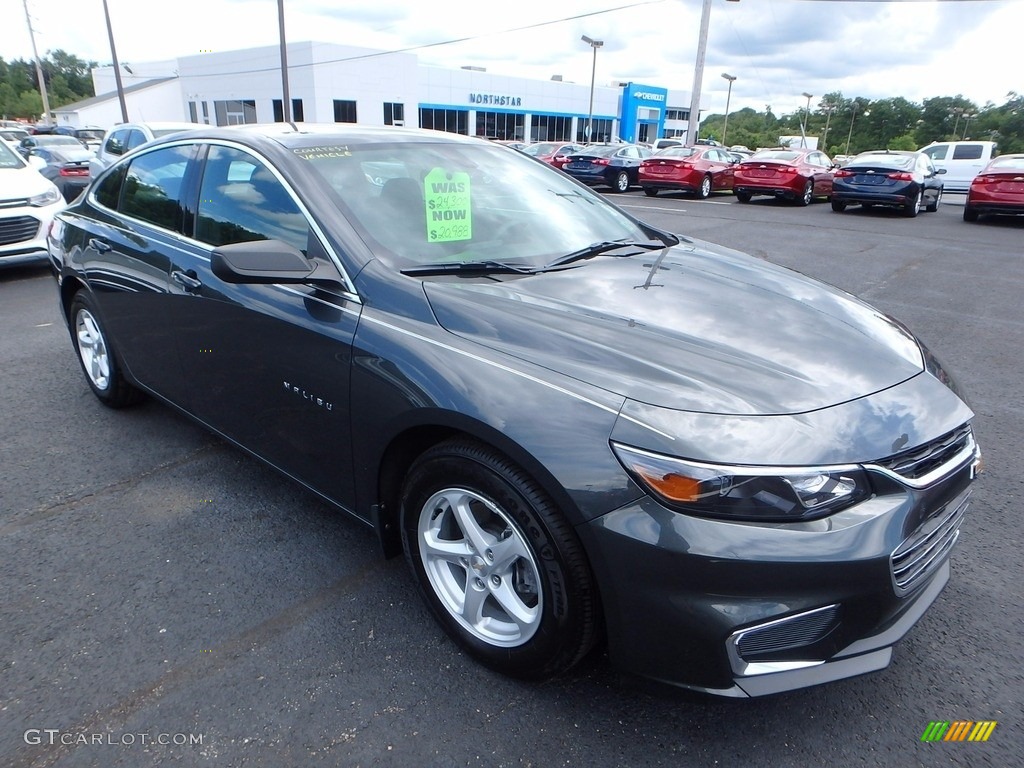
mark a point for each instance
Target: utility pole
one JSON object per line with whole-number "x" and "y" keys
{"x": 286, "y": 101}
{"x": 39, "y": 66}
{"x": 117, "y": 67}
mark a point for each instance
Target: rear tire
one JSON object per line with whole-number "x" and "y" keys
{"x": 912, "y": 209}
{"x": 838, "y": 206}
{"x": 704, "y": 190}
{"x": 651, "y": 191}
{"x": 500, "y": 567}
{"x": 970, "y": 214}
{"x": 743, "y": 197}
{"x": 97, "y": 355}
{"x": 808, "y": 195}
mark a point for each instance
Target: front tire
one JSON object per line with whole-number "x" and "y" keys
{"x": 499, "y": 566}
{"x": 97, "y": 357}
{"x": 621, "y": 182}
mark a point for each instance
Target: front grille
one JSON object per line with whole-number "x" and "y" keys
{"x": 914, "y": 560}
{"x": 918, "y": 462}
{"x": 18, "y": 229}
{"x": 19, "y": 202}
{"x": 787, "y": 634}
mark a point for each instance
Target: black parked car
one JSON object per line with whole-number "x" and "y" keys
{"x": 578, "y": 428}
{"x": 612, "y": 165}
{"x": 66, "y": 166}
{"x": 904, "y": 180}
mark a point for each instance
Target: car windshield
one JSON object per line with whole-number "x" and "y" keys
{"x": 456, "y": 203}
{"x": 1008, "y": 163}
{"x": 776, "y": 155}
{"x": 599, "y": 150}
{"x": 903, "y": 162}
{"x": 678, "y": 152}
{"x": 87, "y": 134}
{"x": 14, "y": 135}
{"x": 72, "y": 154}
{"x": 9, "y": 158}
{"x": 544, "y": 148}
{"x": 46, "y": 141}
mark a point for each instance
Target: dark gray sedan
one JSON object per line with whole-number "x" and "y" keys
{"x": 579, "y": 429}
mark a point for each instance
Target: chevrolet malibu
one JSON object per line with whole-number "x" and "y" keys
{"x": 581, "y": 431}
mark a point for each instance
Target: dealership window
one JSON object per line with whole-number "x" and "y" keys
{"x": 241, "y": 200}
{"x": 500, "y": 125}
{"x": 344, "y": 111}
{"x": 601, "y": 131}
{"x": 677, "y": 114}
{"x": 297, "y": 115}
{"x": 193, "y": 114}
{"x": 394, "y": 114}
{"x": 206, "y": 113}
{"x": 235, "y": 112}
{"x": 152, "y": 186}
{"x": 551, "y": 128}
{"x": 451, "y": 120}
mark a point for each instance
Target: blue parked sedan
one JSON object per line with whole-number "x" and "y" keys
{"x": 904, "y": 180}
{"x": 612, "y": 165}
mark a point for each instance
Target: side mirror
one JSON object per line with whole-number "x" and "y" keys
{"x": 266, "y": 262}
{"x": 939, "y": 170}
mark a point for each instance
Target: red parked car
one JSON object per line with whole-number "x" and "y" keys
{"x": 700, "y": 170}
{"x": 799, "y": 175}
{"x": 999, "y": 188}
{"x": 553, "y": 152}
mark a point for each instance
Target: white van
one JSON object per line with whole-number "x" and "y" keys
{"x": 963, "y": 160}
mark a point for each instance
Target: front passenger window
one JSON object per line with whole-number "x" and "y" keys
{"x": 241, "y": 200}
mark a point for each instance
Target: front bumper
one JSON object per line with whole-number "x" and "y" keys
{"x": 748, "y": 609}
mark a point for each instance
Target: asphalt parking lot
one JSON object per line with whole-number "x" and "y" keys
{"x": 168, "y": 600}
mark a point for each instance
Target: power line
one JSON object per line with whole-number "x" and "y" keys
{"x": 375, "y": 54}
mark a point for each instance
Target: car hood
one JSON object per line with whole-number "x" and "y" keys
{"x": 694, "y": 327}
{"x": 16, "y": 183}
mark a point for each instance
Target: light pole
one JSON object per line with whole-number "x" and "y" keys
{"x": 967, "y": 121}
{"x": 829, "y": 106}
{"x": 957, "y": 111}
{"x": 852, "y": 118}
{"x": 693, "y": 123}
{"x": 807, "y": 114}
{"x": 728, "y": 98}
{"x": 595, "y": 44}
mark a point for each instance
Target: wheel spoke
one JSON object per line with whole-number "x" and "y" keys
{"x": 462, "y": 509}
{"x": 523, "y": 615}
{"x": 473, "y": 604}
{"x": 444, "y": 549}
{"x": 505, "y": 553}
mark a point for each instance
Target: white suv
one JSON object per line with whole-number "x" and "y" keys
{"x": 126, "y": 137}
{"x": 963, "y": 160}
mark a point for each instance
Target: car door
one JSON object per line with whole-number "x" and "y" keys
{"x": 267, "y": 365}
{"x": 822, "y": 173}
{"x": 123, "y": 252}
{"x": 721, "y": 169}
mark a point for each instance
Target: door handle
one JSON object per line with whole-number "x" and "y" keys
{"x": 187, "y": 280}
{"x": 99, "y": 246}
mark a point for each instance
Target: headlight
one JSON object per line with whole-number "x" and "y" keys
{"x": 767, "y": 494}
{"x": 50, "y": 196}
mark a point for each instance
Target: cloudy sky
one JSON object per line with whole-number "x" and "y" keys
{"x": 778, "y": 49}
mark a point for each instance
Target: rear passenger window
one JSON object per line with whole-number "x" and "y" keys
{"x": 152, "y": 187}
{"x": 109, "y": 190}
{"x": 967, "y": 152}
{"x": 242, "y": 200}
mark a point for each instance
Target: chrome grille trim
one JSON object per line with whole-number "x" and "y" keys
{"x": 913, "y": 561}
{"x": 17, "y": 202}
{"x": 928, "y": 464}
{"x": 821, "y": 619}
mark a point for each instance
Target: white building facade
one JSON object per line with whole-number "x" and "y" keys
{"x": 336, "y": 83}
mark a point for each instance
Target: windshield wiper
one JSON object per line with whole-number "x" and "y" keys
{"x": 596, "y": 249}
{"x": 467, "y": 267}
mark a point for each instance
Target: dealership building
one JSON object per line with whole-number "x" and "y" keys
{"x": 335, "y": 83}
